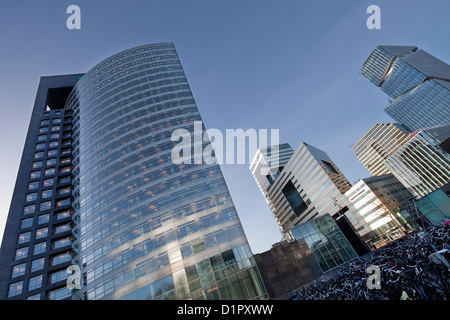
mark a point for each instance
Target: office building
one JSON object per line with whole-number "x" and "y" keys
{"x": 378, "y": 144}
{"x": 137, "y": 225}
{"x": 420, "y": 165}
{"x": 417, "y": 83}
{"x": 414, "y": 158}
{"x": 381, "y": 209}
{"x": 36, "y": 247}
{"x": 306, "y": 185}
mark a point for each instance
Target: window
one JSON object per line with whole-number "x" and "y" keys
{"x": 45, "y": 206}
{"x": 39, "y": 248}
{"x": 59, "y": 294}
{"x": 50, "y": 172}
{"x": 15, "y": 289}
{"x": 31, "y": 197}
{"x": 37, "y": 165}
{"x": 40, "y": 146}
{"x": 64, "y": 180}
{"x": 54, "y": 136}
{"x": 26, "y": 223}
{"x": 44, "y": 122}
{"x": 61, "y": 228}
{"x": 50, "y": 162}
{"x": 43, "y": 130}
{"x": 38, "y": 155}
{"x": 53, "y": 144}
{"x": 36, "y": 296}
{"x": 21, "y": 253}
{"x": 48, "y": 182}
{"x": 57, "y": 120}
{"x": 65, "y": 151}
{"x": 329, "y": 166}
{"x": 62, "y": 191}
{"x": 37, "y": 264}
{"x": 52, "y": 153}
{"x": 41, "y": 233}
{"x": 42, "y": 138}
{"x": 61, "y": 243}
{"x": 64, "y": 170}
{"x": 64, "y": 160}
{"x": 35, "y": 175}
{"x": 29, "y": 209}
{"x": 33, "y": 185}
{"x": 56, "y": 128}
{"x": 46, "y": 194}
{"x": 35, "y": 283}
{"x": 62, "y": 215}
{"x": 59, "y": 276}
{"x": 61, "y": 258}
{"x": 63, "y": 202}
{"x": 294, "y": 198}
{"x": 44, "y": 218}
{"x": 24, "y": 237}
{"x": 18, "y": 270}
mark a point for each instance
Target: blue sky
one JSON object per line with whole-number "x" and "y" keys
{"x": 291, "y": 65}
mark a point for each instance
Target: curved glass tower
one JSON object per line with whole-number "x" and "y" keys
{"x": 143, "y": 226}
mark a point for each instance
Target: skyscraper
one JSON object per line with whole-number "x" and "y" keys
{"x": 414, "y": 158}
{"x": 378, "y": 144}
{"x": 306, "y": 184}
{"x": 143, "y": 227}
{"x": 417, "y": 83}
{"x": 376, "y": 206}
{"x": 36, "y": 247}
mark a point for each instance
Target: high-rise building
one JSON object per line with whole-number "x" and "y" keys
{"x": 378, "y": 144}
{"x": 379, "y": 209}
{"x": 420, "y": 165}
{"x": 414, "y": 158}
{"x": 306, "y": 184}
{"x": 36, "y": 248}
{"x": 417, "y": 83}
{"x": 138, "y": 225}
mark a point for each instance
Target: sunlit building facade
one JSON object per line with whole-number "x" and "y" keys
{"x": 378, "y": 209}
{"x": 417, "y": 83}
{"x": 142, "y": 226}
{"x": 306, "y": 185}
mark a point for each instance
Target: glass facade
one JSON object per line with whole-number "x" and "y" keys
{"x": 376, "y": 205}
{"x": 326, "y": 241}
{"x": 417, "y": 83}
{"x": 37, "y": 242}
{"x": 306, "y": 185}
{"x": 378, "y": 144}
{"x": 421, "y": 166}
{"x": 144, "y": 227}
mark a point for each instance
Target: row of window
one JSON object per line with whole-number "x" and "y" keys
{"x": 36, "y": 282}
{"x": 41, "y": 232}
{"x": 51, "y": 153}
{"x": 46, "y": 122}
{"x": 52, "y": 144}
{"x": 47, "y": 205}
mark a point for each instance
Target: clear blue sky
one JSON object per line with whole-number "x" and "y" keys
{"x": 291, "y": 65}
